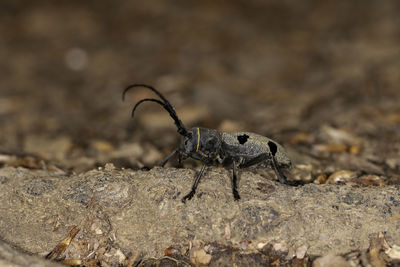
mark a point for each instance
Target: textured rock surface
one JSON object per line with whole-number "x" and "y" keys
{"x": 12, "y": 257}
{"x": 141, "y": 211}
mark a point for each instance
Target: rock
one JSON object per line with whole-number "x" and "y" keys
{"x": 199, "y": 257}
{"x": 301, "y": 172}
{"x": 102, "y": 145}
{"x": 394, "y": 252}
{"x": 301, "y": 251}
{"x": 141, "y": 211}
{"x": 339, "y": 136}
{"x": 393, "y": 162}
{"x": 321, "y": 178}
{"x": 10, "y": 256}
{"x": 331, "y": 260}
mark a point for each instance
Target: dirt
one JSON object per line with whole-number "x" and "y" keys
{"x": 319, "y": 78}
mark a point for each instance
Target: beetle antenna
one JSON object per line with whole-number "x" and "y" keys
{"x": 165, "y": 104}
{"x": 145, "y": 100}
{"x": 146, "y": 86}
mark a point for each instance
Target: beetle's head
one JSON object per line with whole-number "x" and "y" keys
{"x": 202, "y": 144}
{"x": 198, "y": 143}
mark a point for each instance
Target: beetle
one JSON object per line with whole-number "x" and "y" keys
{"x": 235, "y": 149}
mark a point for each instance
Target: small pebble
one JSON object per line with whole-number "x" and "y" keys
{"x": 331, "y": 260}
{"x": 341, "y": 177}
{"x": 321, "y": 179}
{"x": 301, "y": 251}
{"x": 199, "y": 256}
{"x": 393, "y": 252}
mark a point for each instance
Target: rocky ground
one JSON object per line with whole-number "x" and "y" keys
{"x": 320, "y": 78}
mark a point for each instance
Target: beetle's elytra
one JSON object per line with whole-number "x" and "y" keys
{"x": 236, "y": 149}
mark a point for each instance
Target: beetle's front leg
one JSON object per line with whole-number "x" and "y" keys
{"x": 162, "y": 164}
{"x": 234, "y": 181}
{"x": 195, "y": 184}
{"x": 180, "y": 159}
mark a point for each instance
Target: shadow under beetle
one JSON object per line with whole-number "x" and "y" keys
{"x": 236, "y": 149}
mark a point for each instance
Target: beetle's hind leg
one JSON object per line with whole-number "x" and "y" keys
{"x": 281, "y": 177}
{"x": 195, "y": 184}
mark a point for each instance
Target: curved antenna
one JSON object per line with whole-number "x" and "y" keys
{"x": 145, "y": 100}
{"x": 145, "y": 86}
{"x": 165, "y": 104}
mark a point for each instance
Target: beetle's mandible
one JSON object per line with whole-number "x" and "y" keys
{"x": 236, "y": 149}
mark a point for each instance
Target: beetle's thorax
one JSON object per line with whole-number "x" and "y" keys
{"x": 202, "y": 144}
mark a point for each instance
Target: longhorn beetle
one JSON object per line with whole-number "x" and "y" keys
{"x": 237, "y": 149}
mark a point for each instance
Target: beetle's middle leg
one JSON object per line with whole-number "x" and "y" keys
{"x": 195, "y": 184}
{"x": 234, "y": 181}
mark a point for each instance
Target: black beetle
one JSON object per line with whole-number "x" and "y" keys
{"x": 237, "y": 149}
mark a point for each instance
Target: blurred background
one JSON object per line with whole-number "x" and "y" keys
{"x": 320, "y": 77}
